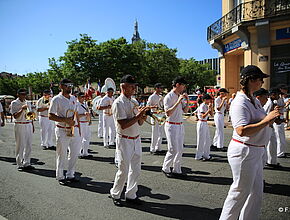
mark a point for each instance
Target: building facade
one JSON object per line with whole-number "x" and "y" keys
{"x": 252, "y": 32}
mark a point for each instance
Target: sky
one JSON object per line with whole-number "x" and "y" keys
{"x": 34, "y": 30}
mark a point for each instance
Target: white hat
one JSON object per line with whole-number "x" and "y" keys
{"x": 104, "y": 89}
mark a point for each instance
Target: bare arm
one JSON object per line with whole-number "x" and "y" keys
{"x": 18, "y": 114}
{"x": 222, "y": 103}
{"x": 54, "y": 117}
{"x": 251, "y": 129}
{"x": 126, "y": 123}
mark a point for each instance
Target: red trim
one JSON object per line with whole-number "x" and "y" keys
{"x": 65, "y": 127}
{"x": 83, "y": 121}
{"x": 174, "y": 123}
{"x": 252, "y": 145}
{"x": 202, "y": 120}
{"x": 128, "y": 137}
{"x": 19, "y": 122}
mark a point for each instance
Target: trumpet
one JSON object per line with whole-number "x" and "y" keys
{"x": 70, "y": 131}
{"x": 29, "y": 114}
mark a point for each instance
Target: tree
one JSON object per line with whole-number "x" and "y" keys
{"x": 197, "y": 74}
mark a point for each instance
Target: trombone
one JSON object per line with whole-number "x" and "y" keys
{"x": 29, "y": 114}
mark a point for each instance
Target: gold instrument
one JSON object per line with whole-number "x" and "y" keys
{"x": 70, "y": 130}
{"x": 29, "y": 114}
{"x": 46, "y": 102}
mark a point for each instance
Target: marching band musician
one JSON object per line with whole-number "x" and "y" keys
{"x": 128, "y": 142}
{"x": 85, "y": 121}
{"x": 109, "y": 129}
{"x": 157, "y": 129}
{"x": 2, "y": 119}
{"x": 63, "y": 110}
{"x": 174, "y": 107}
{"x": 202, "y": 130}
{"x": 46, "y": 125}
{"x": 23, "y": 129}
{"x": 96, "y": 104}
{"x": 220, "y": 106}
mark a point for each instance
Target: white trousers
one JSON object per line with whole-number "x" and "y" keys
{"x": 109, "y": 130}
{"x": 46, "y": 131}
{"x": 281, "y": 139}
{"x": 156, "y": 136}
{"x": 23, "y": 139}
{"x": 85, "y": 138}
{"x": 175, "y": 140}
{"x": 64, "y": 143}
{"x": 218, "y": 139}
{"x": 129, "y": 167}
{"x": 100, "y": 125}
{"x": 203, "y": 140}
{"x": 272, "y": 149}
{"x": 244, "y": 198}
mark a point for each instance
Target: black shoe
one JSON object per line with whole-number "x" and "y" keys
{"x": 72, "y": 180}
{"x": 44, "y": 148}
{"x": 275, "y": 166}
{"x": 112, "y": 146}
{"x": 135, "y": 201}
{"x": 62, "y": 182}
{"x": 52, "y": 147}
{"x": 160, "y": 152}
{"x": 29, "y": 167}
{"x": 213, "y": 148}
{"x": 282, "y": 156}
{"x": 117, "y": 202}
{"x": 20, "y": 168}
{"x": 107, "y": 147}
{"x": 207, "y": 159}
{"x": 169, "y": 175}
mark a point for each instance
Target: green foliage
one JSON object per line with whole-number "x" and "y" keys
{"x": 196, "y": 74}
{"x": 86, "y": 59}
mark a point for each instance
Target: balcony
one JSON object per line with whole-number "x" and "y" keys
{"x": 245, "y": 12}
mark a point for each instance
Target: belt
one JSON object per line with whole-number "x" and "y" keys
{"x": 20, "y": 122}
{"x": 109, "y": 114}
{"x": 219, "y": 112}
{"x": 43, "y": 115}
{"x": 65, "y": 127}
{"x": 252, "y": 145}
{"x": 174, "y": 123}
{"x": 83, "y": 121}
{"x": 128, "y": 137}
{"x": 202, "y": 120}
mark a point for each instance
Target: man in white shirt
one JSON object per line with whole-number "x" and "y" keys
{"x": 2, "y": 120}
{"x": 23, "y": 129}
{"x": 157, "y": 129}
{"x": 109, "y": 129}
{"x": 280, "y": 128}
{"x": 220, "y": 105}
{"x": 96, "y": 104}
{"x": 272, "y": 144}
{"x": 63, "y": 110}
{"x": 128, "y": 143}
{"x": 85, "y": 125}
{"x": 174, "y": 106}
{"x": 46, "y": 125}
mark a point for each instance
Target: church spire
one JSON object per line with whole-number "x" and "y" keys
{"x": 136, "y": 35}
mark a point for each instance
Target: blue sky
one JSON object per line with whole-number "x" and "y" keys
{"x": 34, "y": 30}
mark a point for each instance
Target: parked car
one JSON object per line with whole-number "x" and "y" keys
{"x": 193, "y": 101}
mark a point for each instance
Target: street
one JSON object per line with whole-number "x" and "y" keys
{"x": 37, "y": 195}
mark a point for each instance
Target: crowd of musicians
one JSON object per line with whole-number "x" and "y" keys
{"x": 256, "y": 115}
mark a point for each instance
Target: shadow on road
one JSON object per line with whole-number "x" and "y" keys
{"x": 12, "y": 160}
{"x": 178, "y": 211}
{"x": 277, "y": 189}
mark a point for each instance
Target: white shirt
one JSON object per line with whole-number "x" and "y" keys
{"x": 154, "y": 100}
{"x": 217, "y": 103}
{"x": 203, "y": 108}
{"x": 243, "y": 113}
{"x": 280, "y": 102}
{"x": 16, "y": 106}
{"x": 268, "y": 106}
{"x": 60, "y": 105}
{"x": 40, "y": 104}
{"x": 1, "y": 110}
{"x": 82, "y": 108}
{"x": 123, "y": 108}
{"x": 169, "y": 101}
{"x": 105, "y": 101}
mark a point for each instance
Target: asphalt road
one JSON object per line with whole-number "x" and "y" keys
{"x": 37, "y": 195}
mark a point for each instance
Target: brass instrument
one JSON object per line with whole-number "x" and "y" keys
{"x": 71, "y": 129}
{"x": 46, "y": 102}
{"x": 29, "y": 114}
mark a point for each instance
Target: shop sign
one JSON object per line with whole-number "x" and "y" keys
{"x": 281, "y": 66}
{"x": 232, "y": 45}
{"x": 283, "y": 33}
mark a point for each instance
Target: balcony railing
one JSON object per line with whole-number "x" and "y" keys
{"x": 246, "y": 12}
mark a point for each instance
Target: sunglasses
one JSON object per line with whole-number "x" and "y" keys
{"x": 68, "y": 84}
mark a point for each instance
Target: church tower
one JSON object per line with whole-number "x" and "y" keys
{"x": 136, "y": 36}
